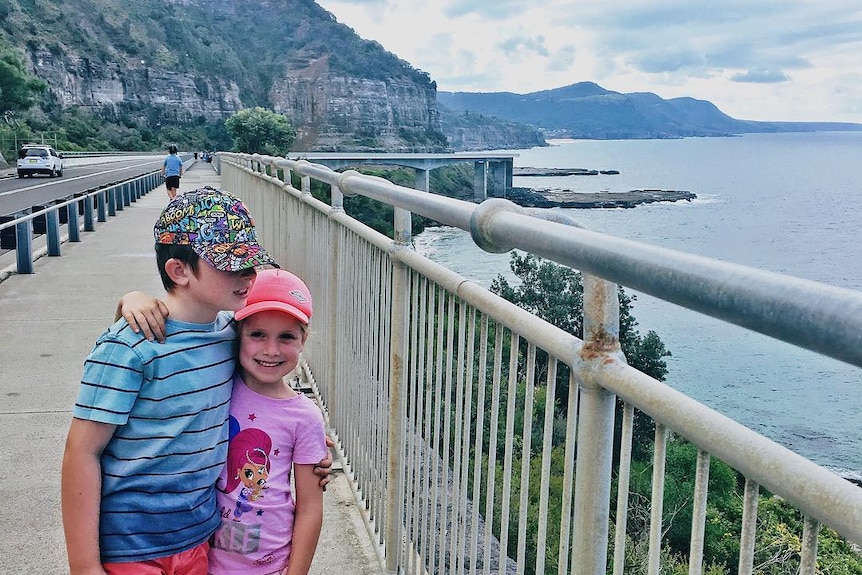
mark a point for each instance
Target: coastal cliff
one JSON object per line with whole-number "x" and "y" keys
{"x": 157, "y": 64}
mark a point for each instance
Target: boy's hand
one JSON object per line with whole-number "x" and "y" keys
{"x": 144, "y": 313}
{"x": 324, "y": 468}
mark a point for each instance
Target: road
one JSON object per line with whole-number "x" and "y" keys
{"x": 79, "y": 175}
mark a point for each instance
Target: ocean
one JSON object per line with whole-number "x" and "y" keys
{"x": 788, "y": 203}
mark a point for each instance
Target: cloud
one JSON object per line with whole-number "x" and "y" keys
{"x": 752, "y": 58}
{"x": 495, "y": 10}
{"x": 518, "y": 44}
{"x": 761, "y": 77}
{"x": 667, "y": 60}
{"x": 563, "y": 58}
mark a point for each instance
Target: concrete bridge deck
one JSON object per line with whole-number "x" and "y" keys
{"x": 48, "y": 323}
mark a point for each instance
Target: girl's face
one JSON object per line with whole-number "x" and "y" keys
{"x": 269, "y": 346}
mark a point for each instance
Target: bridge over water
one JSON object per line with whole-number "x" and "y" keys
{"x": 492, "y": 172}
{"x": 440, "y": 394}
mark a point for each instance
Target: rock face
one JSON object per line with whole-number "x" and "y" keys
{"x": 134, "y": 88}
{"x": 163, "y": 62}
{"x": 492, "y": 137}
{"x": 335, "y": 113}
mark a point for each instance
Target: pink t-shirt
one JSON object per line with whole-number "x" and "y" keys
{"x": 254, "y": 495}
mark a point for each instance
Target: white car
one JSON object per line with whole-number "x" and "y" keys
{"x": 39, "y": 159}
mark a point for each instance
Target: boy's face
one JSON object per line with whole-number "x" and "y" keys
{"x": 269, "y": 346}
{"x": 217, "y": 290}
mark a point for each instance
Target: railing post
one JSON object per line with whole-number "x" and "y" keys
{"x": 101, "y": 207}
{"x": 74, "y": 231}
{"x": 332, "y": 304}
{"x": 595, "y": 430}
{"x": 398, "y": 347}
{"x": 89, "y": 223}
{"x": 112, "y": 201}
{"x": 24, "y": 246}
{"x": 52, "y": 230}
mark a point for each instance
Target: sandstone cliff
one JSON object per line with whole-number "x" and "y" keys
{"x": 187, "y": 62}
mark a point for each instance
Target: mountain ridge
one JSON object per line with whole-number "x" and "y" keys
{"x": 586, "y": 110}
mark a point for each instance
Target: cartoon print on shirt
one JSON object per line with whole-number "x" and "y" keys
{"x": 247, "y": 464}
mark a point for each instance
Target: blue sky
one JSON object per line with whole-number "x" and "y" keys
{"x": 782, "y": 60}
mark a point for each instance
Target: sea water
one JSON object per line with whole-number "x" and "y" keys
{"x": 788, "y": 203}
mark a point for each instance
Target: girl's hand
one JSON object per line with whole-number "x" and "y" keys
{"x": 144, "y": 313}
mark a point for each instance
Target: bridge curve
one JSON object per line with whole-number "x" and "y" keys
{"x": 492, "y": 171}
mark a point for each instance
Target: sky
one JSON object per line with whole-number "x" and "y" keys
{"x": 768, "y": 60}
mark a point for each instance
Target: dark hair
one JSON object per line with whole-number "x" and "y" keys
{"x": 184, "y": 253}
{"x": 172, "y": 149}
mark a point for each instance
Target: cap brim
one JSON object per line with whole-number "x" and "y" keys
{"x": 270, "y": 306}
{"x": 234, "y": 257}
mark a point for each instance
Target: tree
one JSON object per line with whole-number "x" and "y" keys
{"x": 260, "y": 131}
{"x": 18, "y": 89}
{"x": 555, "y": 293}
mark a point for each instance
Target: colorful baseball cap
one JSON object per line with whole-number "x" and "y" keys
{"x": 278, "y": 290}
{"x": 216, "y": 225}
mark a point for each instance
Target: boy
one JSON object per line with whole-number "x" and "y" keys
{"x": 149, "y": 431}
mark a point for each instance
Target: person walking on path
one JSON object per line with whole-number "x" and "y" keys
{"x": 172, "y": 171}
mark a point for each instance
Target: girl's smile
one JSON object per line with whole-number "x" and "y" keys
{"x": 270, "y": 345}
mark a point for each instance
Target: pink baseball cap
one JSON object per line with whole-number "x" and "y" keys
{"x": 279, "y": 290}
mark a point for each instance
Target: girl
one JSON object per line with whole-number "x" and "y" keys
{"x": 267, "y": 528}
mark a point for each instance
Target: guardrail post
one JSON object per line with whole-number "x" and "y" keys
{"x": 101, "y": 206}
{"x": 89, "y": 224}
{"x": 398, "y": 347}
{"x": 112, "y": 201}
{"x": 74, "y": 231}
{"x": 118, "y": 197}
{"x": 52, "y": 229}
{"x": 133, "y": 190}
{"x": 333, "y": 302}
{"x": 24, "y": 246}
{"x": 127, "y": 194}
{"x": 595, "y": 430}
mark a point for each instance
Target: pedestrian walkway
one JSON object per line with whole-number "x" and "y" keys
{"x": 48, "y": 323}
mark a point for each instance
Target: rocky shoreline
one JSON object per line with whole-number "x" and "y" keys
{"x": 530, "y": 171}
{"x": 558, "y": 198}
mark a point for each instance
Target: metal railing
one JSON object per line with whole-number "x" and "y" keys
{"x": 443, "y": 396}
{"x": 81, "y": 211}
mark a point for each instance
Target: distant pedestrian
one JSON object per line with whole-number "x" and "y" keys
{"x": 172, "y": 170}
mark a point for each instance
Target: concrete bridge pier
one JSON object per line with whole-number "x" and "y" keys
{"x": 480, "y": 180}
{"x": 492, "y": 179}
{"x": 423, "y": 179}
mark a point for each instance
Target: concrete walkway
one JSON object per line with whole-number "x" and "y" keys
{"x": 49, "y": 321}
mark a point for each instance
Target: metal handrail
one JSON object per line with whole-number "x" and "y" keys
{"x": 109, "y": 200}
{"x": 807, "y": 314}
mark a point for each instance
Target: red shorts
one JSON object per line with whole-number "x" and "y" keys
{"x": 191, "y": 562}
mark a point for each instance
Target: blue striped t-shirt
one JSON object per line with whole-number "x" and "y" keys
{"x": 170, "y": 402}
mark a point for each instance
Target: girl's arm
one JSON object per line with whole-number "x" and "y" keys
{"x": 144, "y": 313}
{"x": 307, "y": 519}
